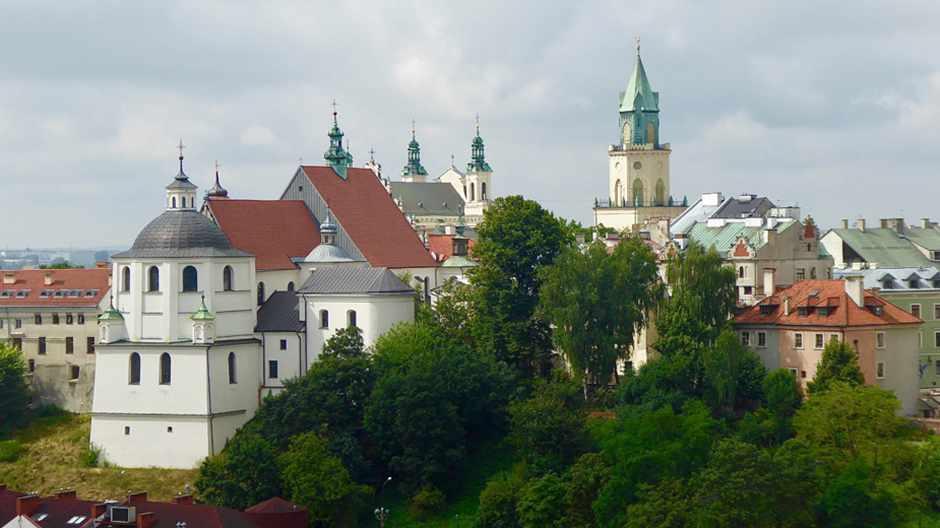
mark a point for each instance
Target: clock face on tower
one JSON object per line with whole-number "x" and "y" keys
{"x": 637, "y": 165}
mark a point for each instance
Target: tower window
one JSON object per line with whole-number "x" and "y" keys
{"x": 473, "y": 192}
{"x": 637, "y": 193}
{"x": 126, "y": 282}
{"x": 324, "y": 319}
{"x": 227, "y": 278}
{"x": 69, "y": 345}
{"x": 283, "y": 344}
{"x": 90, "y": 345}
{"x": 651, "y": 134}
{"x": 165, "y": 369}
{"x": 42, "y": 346}
{"x": 74, "y": 371}
{"x": 133, "y": 369}
{"x": 260, "y": 293}
{"x": 232, "y": 369}
{"x": 272, "y": 368}
{"x": 190, "y": 282}
{"x": 154, "y": 279}
{"x": 351, "y": 318}
{"x": 290, "y": 286}
{"x": 483, "y": 191}
{"x": 173, "y": 201}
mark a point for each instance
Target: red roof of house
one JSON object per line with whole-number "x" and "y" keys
{"x": 831, "y": 294}
{"x": 370, "y": 217}
{"x": 443, "y": 246}
{"x": 271, "y": 230}
{"x": 69, "y": 287}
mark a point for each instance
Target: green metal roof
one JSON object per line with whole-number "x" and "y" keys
{"x": 458, "y": 262}
{"x": 203, "y": 314}
{"x": 111, "y": 314}
{"x": 928, "y": 239}
{"x": 639, "y": 95}
{"x": 883, "y": 247}
{"x": 723, "y": 238}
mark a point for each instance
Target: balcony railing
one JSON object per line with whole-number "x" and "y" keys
{"x": 601, "y": 203}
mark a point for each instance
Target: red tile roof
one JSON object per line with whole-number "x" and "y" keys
{"x": 85, "y": 280}
{"x": 370, "y": 217}
{"x": 443, "y": 245}
{"x": 843, "y": 312}
{"x": 272, "y": 230}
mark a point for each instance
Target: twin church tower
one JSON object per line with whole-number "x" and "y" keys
{"x": 639, "y": 164}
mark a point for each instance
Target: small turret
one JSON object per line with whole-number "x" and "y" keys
{"x": 414, "y": 171}
{"x": 181, "y": 193}
{"x": 217, "y": 191}
{"x": 111, "y": 326}
{"x": 203, "y": 325}
{"x": 335, "y": 156}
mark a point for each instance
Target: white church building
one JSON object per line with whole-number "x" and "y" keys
{"x": 184, "y": 358}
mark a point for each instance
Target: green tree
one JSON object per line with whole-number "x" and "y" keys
{"x": 854, "y": 500}
{"x": 60, "y": 263}
{"x": 782, "y": 398}
{"x": 498, "y": 500}
{"x": 542, "y": 503}
{"x": 516, "y": 239}
{"x": 317, "y": 480}
{"x": 839, "y": 362}
{"x": 548, "y": 428}
{"x": 14, "y": 392}
{"x": 597, "y": 302}
{"x": 732, "y": 370}
{"x": 346, "y": 343}
{"x": 245, "y": 474}
{"x": 701, "y": 304}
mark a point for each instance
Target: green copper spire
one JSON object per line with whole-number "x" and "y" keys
{"x": 414, "y": 167}
{"x": 639, "y": 108}
{"x": 336, "y": 157}
{"x": 203, "y": 313}
{"x": 477, "y": 161}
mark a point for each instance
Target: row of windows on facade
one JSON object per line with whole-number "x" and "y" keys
{"x": 913, "y": 284}
{"x": 879, "y": 371}
{"x": 133, "y": 367}
{"x": 800, "y": 274}
{"x": 637, "y": 194}
{"x": 74, "y": 370}
{"x": 56, "y": 319}
{"x": 190, "y": 279}
{"x": 192, "y": 202}
{"x": 351, "y": 318}
{"x": 17, "y": 342}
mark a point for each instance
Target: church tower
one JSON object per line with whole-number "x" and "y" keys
{"x": 335, "y": 156}
{"x": 478, "y": 185}
{"x": 639, "y": 163}
{"x": 414, "y": 172}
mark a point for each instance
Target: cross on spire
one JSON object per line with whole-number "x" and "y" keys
{"x": 217, "y": 166}
{"x": 637, "y": 45}
{"x": 181, "y": 147}
{"x": 372, "y": 155}
{"x": 478, "y": 120}
{"x": 452, "y": 161}
{"x": 334, "y": 104}
{"x": 412, "y": 126}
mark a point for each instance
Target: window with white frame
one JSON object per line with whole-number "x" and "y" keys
{"x": 880, "y": 370}
{"x": 880, "y": 339}
{"x": 818, "y": 341}
{"x": 833, "y": 336}
{"x": 798, "y": 340}
{"x": 795, "y": 372}
{"x": 746, "y": 338}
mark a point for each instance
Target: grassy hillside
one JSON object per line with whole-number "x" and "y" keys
{"x": 51, "y": 457}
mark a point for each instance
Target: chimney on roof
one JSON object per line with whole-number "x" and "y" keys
{"x": 845, "y": 223}
{"x": 855, "y": 289}
{"x": 28, "y": 504}
{"x": 9, "y": 277}
{"x": 97, "y": 510}
{"x": 144, "y": 520}
{"x": 786, "y": 304}
{"x": 137, "y": 497}
{"x": 682, "y": 240}
{"x": 861, "y": 225}
{"x": 102, "y": 264}
{"x": 769, "y": 282}
{"x": 450, "y": 230}
{"x": 47, "y": 278}
{"x": 925, "y": 222}
{"x": 66, "y": 494}
{"x": 182, "y": 499}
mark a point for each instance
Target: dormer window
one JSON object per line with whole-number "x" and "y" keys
{"x": 75, "y": 294}
{"x": 90, "y": 293}
{"x": 6, "y": 294}
{"x": 60, "y": 294}
{"x": 823, "y": 311}
{"x": 935, "y": 255}
{"x": 44, "y": 294}
{"x": 878, "y": 310}
{"x": 802, "y": 311}
{"x": 766, "y": 310}
{"x": 912, "y": 284}
{"x": 21, "y": 294}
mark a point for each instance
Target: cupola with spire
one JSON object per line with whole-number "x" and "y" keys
{"x": 181, "y": 193}
{"x": 477, "y": 159}
{"x": 477, "y": 185}
{"x": 335, "y": 156}
{"x": 414, "y": 171}
{"x": 639, "y": 108}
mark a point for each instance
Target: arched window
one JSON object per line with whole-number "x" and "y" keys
{"x": 190, "y": 282}
{"x": 473, "y": 192}
{"x": 260, "y": 293}
{"x": 483, "y": 191}
{"x": 133, "y": 369}
{"x": 154, "y": 276}
{"x": 324, "y": 319}
{"x": 232, "y": 369}
{"x": 290, "y": 286}
{"x": 637, "y": 198}
{"x": 164, "y": 369}
{"x": 627, "y": 134}
{"x": 618, "y": 194}
{"x": 651, "y": 134}
{"x": 227, "y": 278}
{"x": 351, "y": 318}
{"x": 741, "y": 272}
{"x": 126, "y": 279}
{"x": 660, "y": 192}
{"x": 173, "y": 200}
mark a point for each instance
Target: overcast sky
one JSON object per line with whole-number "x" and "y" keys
{"x": 834, "y": 107}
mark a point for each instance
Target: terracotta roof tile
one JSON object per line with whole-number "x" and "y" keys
{"x": 272, "y": 230}
{"x": 370, "y": 217}
{"x": 843, "y": 311}
{"x": 443, "y": 246}
{"x": 69, "y": 287}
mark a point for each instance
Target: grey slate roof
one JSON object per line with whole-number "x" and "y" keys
{"x": 329, "y": 253}
{"x": 181, "y": 182}
{"x": 883, "y": 247}
{"x": 899, "y": 278}
{"x": 181, "y": 234}
{"x": 737, "y": 208}
{"x": 355, "y": 281}
{"x": 280, "y": 313}
{"x": 434, "y": 198}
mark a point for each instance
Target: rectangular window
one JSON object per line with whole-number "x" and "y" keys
{"x": 746, "y": 338}
{"x": 272, "y": 369}
{"x": 18, "y": 343}
{"x": 879, "y": 339}
{"x": 42, "y": 346}
{"x": 802, "y": 311}
{"x": 283, "y": 344}
{"x": 800, "y": 274}
{"x": 795, "y": 372}
{"x": 90, "y": 345}
{"x": 920, "y": 339}
{"x": 81, "y": 318}
{"x": 73, "y": 373}
{"x": 761, "y": 339}
{"x": 833, "y": 336}
{"x": 936, "y": 311}
{"x": 915, "y": 310}
{"x": 55, "y": 318}
{"x": 823, "y": 311}
{"x": 936, "y": 339}
{"x": 880, "y": 370}
{"x": 32, "y": 365}
{"x": 38, "y": 318}
{"x": 798, "y": 340}
{"x": 938, "y": 368}
{"x": 69, "y": 345}
{"x": 748, "y": 290}
{"x": 1, "y": 324}
{"x": 819, "y": 342}
{"x": 68, "y": 319}
{"x": 18, "y": 323}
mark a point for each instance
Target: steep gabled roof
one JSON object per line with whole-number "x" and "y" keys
{"x": 273, "y": 230}
{"x": 438, "y": 199}
{"x": 355, "y": 281}
{"x": 639, "y": 95}
{"x": 370, "y": 217}
{"x": 842, "y": 310}
{"x": 280, "y": 313}
{"x": 70, "y": 287}
{"x": 724, "y": 237}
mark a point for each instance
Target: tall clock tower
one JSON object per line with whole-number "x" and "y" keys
{"x": 639, "y": 162}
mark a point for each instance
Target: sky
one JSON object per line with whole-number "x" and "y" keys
{"x": 815, "y": 104}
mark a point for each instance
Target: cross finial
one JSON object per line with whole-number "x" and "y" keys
{"x": 301, "y": 160}
{"x": 412, "y": 126}
{"x": 637, "y": 45}
{"x": 452, "y": 161}
{"x": 181, "y": 147}
{"x": 478, "y": 120}
{"x": 217, "y": 167}
{"x": 372, "y": 155}
{"x": 334, "y": 104}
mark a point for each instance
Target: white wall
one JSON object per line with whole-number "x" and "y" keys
{"x": 375, "y": 316}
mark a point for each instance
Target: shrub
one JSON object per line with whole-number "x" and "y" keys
{"x": 10, "y": 449}
{"x": 427, "y": 501}
{"x": 91, "y": 456}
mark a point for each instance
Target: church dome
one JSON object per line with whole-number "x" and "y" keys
{"x": 184, "y": 233}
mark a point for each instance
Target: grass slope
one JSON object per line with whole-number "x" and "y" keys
{"x": 483, "y": 463}
{"x": 52, "y": 459}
